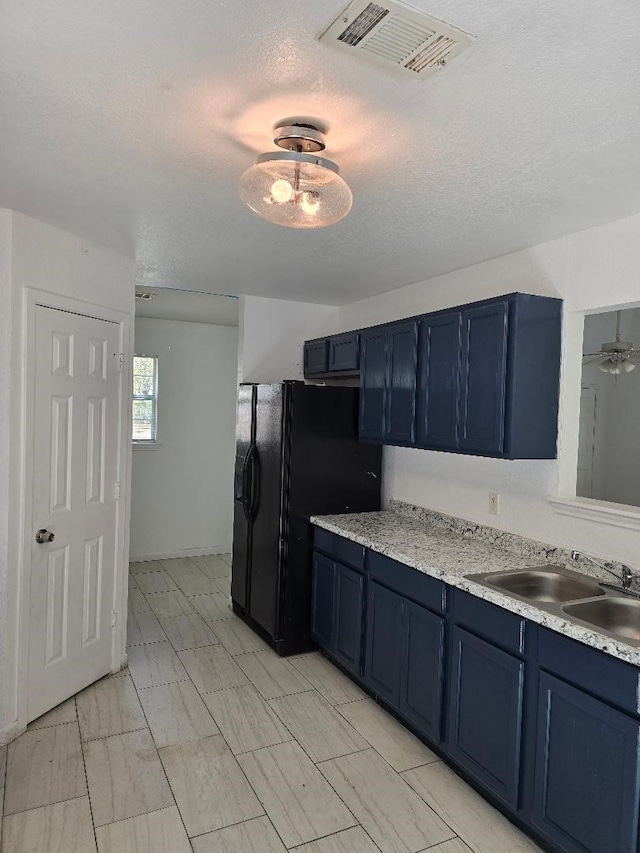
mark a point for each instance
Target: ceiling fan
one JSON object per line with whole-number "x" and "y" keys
{"x": 614, "y": 357}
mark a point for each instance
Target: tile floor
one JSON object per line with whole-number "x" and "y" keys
{"x": 211, "y": 743}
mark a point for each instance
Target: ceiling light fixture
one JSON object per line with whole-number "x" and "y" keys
{"x": 615, "y": 357}
{"x": 295, "y": 187}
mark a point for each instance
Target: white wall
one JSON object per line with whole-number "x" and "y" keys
{"x": 590, "y": 271}
{"x": 36, "y": 255}
{"x": 272, "y": 332}
{"x": 182, "y": 492}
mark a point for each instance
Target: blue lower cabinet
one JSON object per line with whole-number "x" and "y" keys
{"x": 349, "y": 608}
{"x": 383, "y": 642}
{"x": 485, "y": 714}
{"x": 421, "y": 674}
{"x": 586, "y": 776}
{"x": 323, "y": 601}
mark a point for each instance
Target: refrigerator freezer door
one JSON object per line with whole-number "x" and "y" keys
{"x": 245, "y": 435}
{"x": 268, "y": 501}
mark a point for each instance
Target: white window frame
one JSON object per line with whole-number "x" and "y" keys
{"x": 149, "y": 443}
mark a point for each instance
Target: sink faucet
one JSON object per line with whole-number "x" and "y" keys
{"x": 626, "y": 576}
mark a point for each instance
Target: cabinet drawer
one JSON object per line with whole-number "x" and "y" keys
{"x": 486, "y": 620}
{"x": 409, "y": 582}
{"x": 341, "y": 549}
{"x": 316, "y": 357}
{"x": 613, "y": 680}
{"x": 344, "y": 352}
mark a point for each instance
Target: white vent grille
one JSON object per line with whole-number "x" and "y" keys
{"x": 394, "y": 35}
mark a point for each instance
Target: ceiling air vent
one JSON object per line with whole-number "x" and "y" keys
{"x": 145, "y": 295}
{"x": 394, "y": 35}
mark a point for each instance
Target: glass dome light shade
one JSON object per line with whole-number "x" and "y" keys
{"x": 319, "y": 196}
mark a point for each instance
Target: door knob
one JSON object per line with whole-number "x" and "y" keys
{"x": 43, "y": 536}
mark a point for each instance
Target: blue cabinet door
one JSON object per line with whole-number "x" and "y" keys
{"x": 383, "y": 642}
{"x": 344, "y": 351}
{"x": 485, "y": 714}
{"x": 481, "y": 415}
{"x": 373, "y": 381}
{"x": 586, "y": 776}
{"x": 323, "y": 601}
{"x": 316, "y": 357}
{"x": 439, "y": 380}
{"x": 422, "y": 669}
{"x": 349, "y": 608}
{"x": 402, "y": 360}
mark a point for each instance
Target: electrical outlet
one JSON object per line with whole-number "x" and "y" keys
{"x": 493, "y": 503}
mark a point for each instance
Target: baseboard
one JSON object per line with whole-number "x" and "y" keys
{"x": 185, "y": 552}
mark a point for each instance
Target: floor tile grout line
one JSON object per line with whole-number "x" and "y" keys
{"x": 455, "y": 838}
{"x": 322, "y": 699}
{"x": 115, "y": 734}
{"x": 86, "y": 775}
{"x": 48, "y": 805}
{"x": 264, "y": 816}
{"x": 399, "y": 772}
{"x": 446, "y": 823}
{"x": 332, "y": 834}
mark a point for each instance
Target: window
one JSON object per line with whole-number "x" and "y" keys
{"x": 145, "y": 398}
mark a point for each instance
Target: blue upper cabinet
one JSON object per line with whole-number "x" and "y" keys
{"x": 481, "y": 379}
{"x": 483, "y": 366}
{"x": 388, "y": 369}
{"x": 489, "y": 378}
{"x": 335, "y": 356}
{"x": 439, "y": 379}
{"x": 402, "y": 357}
{"x": 316, "y": 357}
{"x": 373, "y": 383}
{"x": 344, "y": 353}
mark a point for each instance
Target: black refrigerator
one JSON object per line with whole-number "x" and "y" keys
{"x": 297, "y": 455}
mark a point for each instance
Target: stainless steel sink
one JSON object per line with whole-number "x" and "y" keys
{"x": 551, "y": 585}
{"x": 620, "y": 616}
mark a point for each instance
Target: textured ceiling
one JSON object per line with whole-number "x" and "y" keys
{"x": 190, "y": 307}
{"x": 129, "y": 122}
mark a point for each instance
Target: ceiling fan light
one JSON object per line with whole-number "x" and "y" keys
{"x": 628, "y": 366}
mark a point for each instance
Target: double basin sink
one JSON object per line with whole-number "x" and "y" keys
{"x": 569, "y": 594}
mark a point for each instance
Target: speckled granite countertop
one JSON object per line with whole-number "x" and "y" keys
{"x": 442, "y": 551}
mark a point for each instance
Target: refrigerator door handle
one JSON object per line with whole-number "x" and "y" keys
{"x": 254, "y": 479}
{"x": 247, "y": 482}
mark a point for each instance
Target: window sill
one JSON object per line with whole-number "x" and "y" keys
{"x": 141, "y": 445}
{"x": 615, "y": 515}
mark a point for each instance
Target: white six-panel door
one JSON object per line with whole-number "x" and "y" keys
{"x": 75, "y": 470}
